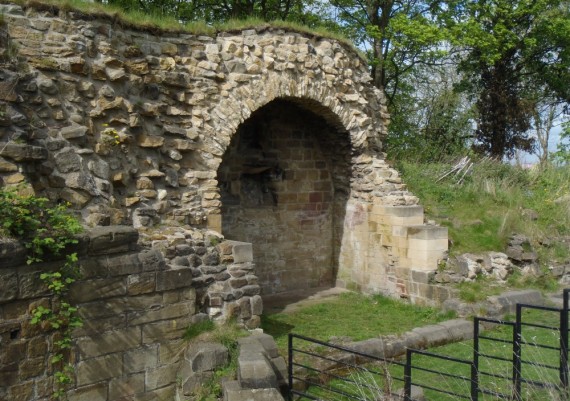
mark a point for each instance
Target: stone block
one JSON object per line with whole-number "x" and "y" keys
{"x": 140, "y": 359}
{"x": 266, "y": 341}
{"x": 93, "y": 267}
{"x": 96, "y": 392}
{"x": 21, "y": 391}
{"x": 30, "y": 286}
{"x": 202, "y": 357}
{"x": 167, "y": 312}
{"x": 110, "y": 342}
{"x": 32, "y": 367}
{"x": 124, "y": 264}
{"x": 233, "y": 392}
{"x": 143, "y": 283}
{"x": 170, "y": 351}
{"x": 256, "y": 305}
{"x": 152, "y": 260}
{"x": 93, "y": 327}
{"x": 160, "y": 377}
{"x": 172, "y": 279}
{"x": 8, "y": 285}
{"x": 122, "y": 387}
{"x": 433, "y": 335}
{"x": 110, "y": 239}
{"x": 193, "y": 382}
{"x": 419, "y": 276}
{"x": 506, "y": 302}
{"x": 98, "y": 369}
{"x": 427, "y": 232}
{"x": 164, "y": 330}
{"x": 166, "y": 393}
{"x": 242, "y": 252}
{"x": 459, "y": 329}
{"x": 95, "y": 289}
{"x": 254, "y": 369}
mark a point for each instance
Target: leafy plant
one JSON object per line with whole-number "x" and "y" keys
{"x": 42, "y": 228}
{"x": 47, "y": 229}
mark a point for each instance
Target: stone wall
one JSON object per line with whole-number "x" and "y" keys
{"x": 140, "y": 127}
{"x": 135, "y": 304}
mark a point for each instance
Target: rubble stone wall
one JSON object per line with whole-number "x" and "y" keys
{"x": 135, "y": 305}
{"x": 135, "y": 126}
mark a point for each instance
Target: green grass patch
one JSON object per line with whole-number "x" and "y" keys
{"x": 495, "y": 360}
{"x": 492, "y": 203}
{"x": 351, "y": 315}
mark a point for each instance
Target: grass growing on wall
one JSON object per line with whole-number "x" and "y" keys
{"x": 351, "y": 315}
{"x": 145, "y": 21}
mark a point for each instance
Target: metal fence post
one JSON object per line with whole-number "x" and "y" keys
{"x": 517, "y": 338}
{"x": 564, "y": 341}
{"x": 408, "y": 376}
{"x": 475, "y": 365}
{"x": 290, "y": 366}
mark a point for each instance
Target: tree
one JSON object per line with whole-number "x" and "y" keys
{"x": 509, "y": 47}
{"x": 216, "y": 11}
{"x": 398, "y": 34}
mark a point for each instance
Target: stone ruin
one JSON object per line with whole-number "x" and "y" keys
{"x": 211, "y": 169}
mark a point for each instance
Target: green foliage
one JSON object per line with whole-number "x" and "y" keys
{"x": 508, "y": 50}
{"x": 562, "y": 154}
{"x": 43, "y": 228}
{"x": 46, "y": 229}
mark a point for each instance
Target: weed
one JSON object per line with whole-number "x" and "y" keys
{"x": 199, "y": 328}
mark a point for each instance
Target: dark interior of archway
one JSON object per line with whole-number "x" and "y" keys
{"x": 284, "y": 182}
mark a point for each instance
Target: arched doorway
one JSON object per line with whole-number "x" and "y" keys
{"x": 284, "y": 183}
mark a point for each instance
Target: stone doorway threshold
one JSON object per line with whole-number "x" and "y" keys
{"x": 291, "y": 301}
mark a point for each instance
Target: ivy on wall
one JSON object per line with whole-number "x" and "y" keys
{"x": 47, "y": 230}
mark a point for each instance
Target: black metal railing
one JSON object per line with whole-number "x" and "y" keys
{"x": 323, "y": 371}
{"x": 332, "y": 372}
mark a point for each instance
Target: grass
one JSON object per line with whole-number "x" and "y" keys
{"x": 492, "y": 203}
{"x": 351, "y": 315}
{"x": 162, "y": 23}
{"x": 483, "y": 287}
{"x": 495, "y": 366}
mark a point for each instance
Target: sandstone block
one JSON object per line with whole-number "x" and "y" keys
{"x": 109, "y": 342}
{"x": 172, "y": 279}
{"x": 98, "y": 369}
{"x": 124, "y": 264}
{"x": 110, "y": 239}
{"x": 165, "y": 330}
{"x": 8, "y": 285}
{"x": 93, "y": 289}
{"x": 203, "y": 357}
{"x": 140, "y": 359}
{"x": 160, "y": 377}
{"x": 143, "y": 283}
{"x": 96, "y": 392}
{"x": 126, "y": 386}
{"x": 233, "y": 392}
{"x": 167, "y": 312}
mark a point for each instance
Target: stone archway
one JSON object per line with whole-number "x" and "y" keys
{"x": 284, "y": 183}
